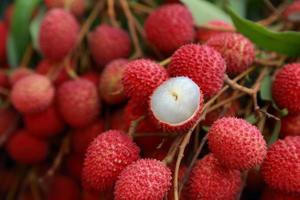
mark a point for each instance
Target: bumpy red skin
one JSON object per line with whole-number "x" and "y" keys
{"x": 237, "y": 50}
{"x": 203, "y": 34}
{"x": 44, "y": 124}
{"x": 106, "y": 157}
{"x": 236, "y": 143}
{"x": 108, "y": 43}
{"x": 81, "y": 138}
{"x": 26, "y": 149}
{"x": 3, "y": 38}
{"x": 293, "y": 8}
{"x": 63, "y": 188}
{"x": 290, "y": 125}
{"x": 145, "y": 179}
{"x": 77, "y": 7}
{"x": 169, "y": 27}
{"x": 281, "y": 167}
{"x": 32, "y": 94}
{"x": 111, "y": 87}
{"x": 141, "y": 77}
{"x": 78, "y": 102}
{"x": 74, "y": 165}
{"x": 270, "y": 194}
{"x": 58, "y": 34}
{"x": 209, "y": 180}
{"x": 204, "y": 65}
{"x": 18, "y": 74}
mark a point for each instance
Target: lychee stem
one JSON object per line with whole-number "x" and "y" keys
{"x": 165, "y": 61}
{"x": 111, "y": 13}
{"x": 133, "y": 126}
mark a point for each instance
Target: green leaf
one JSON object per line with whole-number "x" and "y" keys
{"x": 266, "y": 89}
{"x": 19, "y": 36}
{"x": 238, "y": 6}
{"x": 35, "y": 28}
{"x": 251, "y": 119}
{"x": 287, "y": 43}
{"x": 275, "y": 133}
{"x": 204, "y": 11}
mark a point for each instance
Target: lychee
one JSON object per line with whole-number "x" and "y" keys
{"x": 4, "y": 81}
{"x": 74, "y": 165}
{"x": 8, "y": 119}
{"x": 281, "y": 167}
{"x": 92, "y": 76}
{"x": 169, "y": 27}
{"x": 236, "y": 143}
{"x": 78, "y": 102}
{"x": 108, "y": 43}
{"x": 237, "y": 50}
{"x": 107, "y": 155}
{"x": 63, "y": 188}
{"x": 292, "y": 12}
{"x": 270, "y": 194}
{"x": 209, "y": 180}
{"x": 204, "y": 65}
{"x": 3, "y": 39}
{"x": 18, "y": 74}
{"x": 77, "y": 7}
{"x": 32, "y": 94}
{"x": 290, "y": 125}
{"x": 286, "y": 87}
{"x": 144, "y": 179}
{"x": 58, "y": 34}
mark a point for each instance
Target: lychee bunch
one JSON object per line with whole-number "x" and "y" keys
{"x": 237, "y": 50}
{"x": 176, "y": 104}
{"x": 58, "y": 34}
{"x": 209, "y": 180}
{"x": 281, "y": 168}
{"x": 108, "y": 43}
{"x": 107, "y": 155}
{"x": 32, "y": 94}
{"x": 169, "y": 27}
{"x": 204, "y": 65}
{"x": 236, "y": 143}
{"x": 77, "y": 7}
{"x": 292, "y": 12}
{"x": 63, "y": 188}
{"x": 144, "y": 179}
{"x": 286, "y": 87}
{"x": 78, "y": 102}
{"x": 290, "y": 125}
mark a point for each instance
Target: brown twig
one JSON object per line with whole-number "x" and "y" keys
{"x": 111, "y": 12}
{"x": 12, "y": 127}
{"x": 173, "y": 150}
{"x": 162, "y": 134}
{"x": 133, "y": 126}
{"x": 141, "y": 7}
{"x": 27, "y": 56}
{"x": 165, "y": 61}
{"x": 216, "y": 28}
{"x": 225, "y": 101}
{"x": 270, "y": 62}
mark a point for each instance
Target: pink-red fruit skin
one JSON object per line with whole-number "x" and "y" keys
{"x": 237, "y": 50}
{"x": 281, "y": 167}
{"x": 58, "y": 34}
{"x": 32, "y": 94}
{"x": 204, "y": 65}
{"x": 3, "y": 39}
{"x": 169, "y": 27}
{"x": 236, "y": 143}
{"x": 141, "y": 77}
{"x": 18, "y": 74}
{"x": 78, "y": 102}
{"x": 145, "y": 179}
{"x": 107, "y": 155}
{"x": 290, "y": 125}
{"x": 286, "y": 87}
{"x": 270, "y": 194}
{"x": 203, "y": 34}
{"x": 108, "y": 43}
{"x": 210, "y": 181}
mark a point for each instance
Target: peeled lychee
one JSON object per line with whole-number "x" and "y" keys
{"x": 111, "y": 87}
{"x": 145, "y": 179}
{"x": 236, "y": 143}
{"x": 286, "y": 87}
{"x": 169, "y": 27}
{"x": 58, "y": 34}
{"x": 290, "y": 125}
{"x": 204, "y": 65}
{"x": 63, "y": 188}
{"x": 32, "y": 94}
{"x": 107, "y": 155}
{"x": 108, "y": 43}
{"x": 209, "y": 180}
{"x": 26, "y": 149}
{"x": 292, "y": 12}
{"x": 78, "y": 102}
{"x": 141, "y": 77}
{"x": 281, "y": 167}
{"x": 203, "y": 33}
{"x": 18, "y": 74}
{"x": 3, "y": 39}
{"x": 77, "y": 7}
{"x": 237, "y": 50}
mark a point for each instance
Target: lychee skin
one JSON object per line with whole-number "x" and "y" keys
{"x": 291, "y": 13}
{"x": 209, "y": 180}
{"x": 4, "y": 80}
{"x": 145, "y": 179}
{"x": 290, "y": 125}
{"x": 77, "y": 6}
{"x": 169, "y": 27}
{"x": 237, "y": 50}
{"x": 111, "y": 87}
{"x": 106, "y": 157}
{"x": 108, "y": 43}
{"x": 281, "y": 167}
{"x": 78, "y": 102}
{"x": 27, "y": 149}
{"x": 74, "y": 165}
{"x": 58, "y": 34}
{"x": 236, "y": 143}
{"x": 3, "y": 39}
{"x": 63, "y": 188}
{"x": 141, "y": 77}
{"x": 32, "y": 94}
{"x": 18, "y": 74}
{"x": 270, "y": 194}
{"x": 204, "y": 65}
{"x": 8, "y": 118}
{"x": 286, "y": 87}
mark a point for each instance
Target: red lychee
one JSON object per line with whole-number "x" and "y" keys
{"x": 270, "y": 194}
{"x": 169, "y": 27}
{"x": 92, "y": 76}
{"x": 18, "y": 74}
{"x": 63, "y": 188}
{"x": 58, "y": 34}
{"x": 292, "y": 12}
{"x": 108, "y": 43}
{"x": 74, "y": 165}
{"x": 3, "y": 39}
{"x": 106, "y": 157}
{"x": 8, "y": 119}
{"x": 204, "y": 65}
{"x": 77, "y": 7}
{"x": 290, "y": 125}
{"x": 4, "y": 81}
